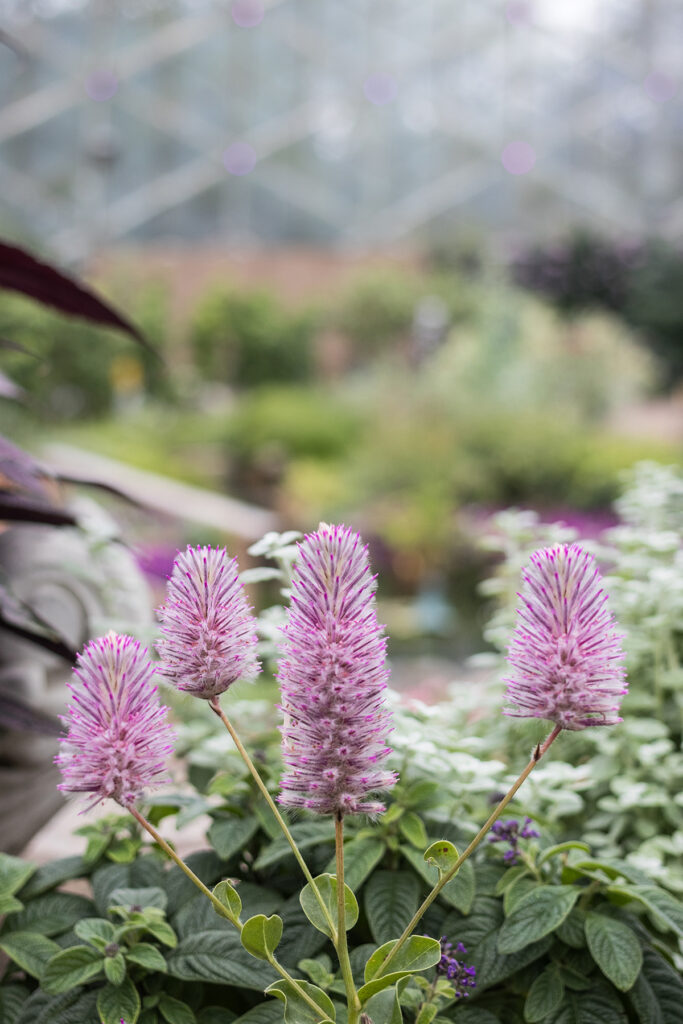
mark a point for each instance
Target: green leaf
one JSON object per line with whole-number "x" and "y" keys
{"x": 229, "y": 899}
{"x": 151, "y": 896}
{"x": 327, "y": 887}
{"x": 30, "y": 951}
{"x": 71, "y": 967}
{"x": 175, "y": 1011}
{"x": 147, "y": 956}
{"x": 9, "y": 905}
{"x": 458, "y": 893}
{"x": 219, "y": 1015}
{"x": 615, "y": 949}
{"x": 75, "y": 1007}
{"x": 384, "y": 1008}
{"x": 265, "y": 1013}
{"x": 53, "y": 874}
{"x": 261, "y": 935}
{"x": 442, "y": 854}
{"x": 538, "y": 913}
{"x": 119, "y": 1002}
{"x": 572, "y": 930}
{"x": 427, "y": 1013}
{"x": 510, "y": 877}
{"x": 230, "y": 835}
{"x": 319, "y": 971}
{"x": 412, "y": 828}
{"x": 51, "y": 914}
{"x": 662, "y": 907}
{"x": 390, "y": 899}
{"x": 305, "y": 835}
{"x": 545, "y": 995}
{"x": 123, "y": 850}
{"x": 162, "y": 931}
{"x": 14, "y": 872}
{"x": 96, "y": 931}
{"x": 115, "y": 968}
{"x": 297, "y": 1009}
{"x": 657, "y": 995}
{"x": 553, "y": 851}
{"x": 417, "y": 953}
{"x": 12, "y": 998}
{"x": 361, "y": 857}
{"x": 217, "y": 956}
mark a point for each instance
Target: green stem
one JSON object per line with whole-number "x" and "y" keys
{"x": 215, "y": 706}
{"x": 168, "y": 849}
{"x": 352, "y": 1000}
{"x": 179, "y": 861}
{"x": 538, "y": 753}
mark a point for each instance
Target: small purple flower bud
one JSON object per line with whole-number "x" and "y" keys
{"x": 209, "y": 634}
{"x": 118, "y": 737}
{"x": 333, "y": 679}
{"x": 565, "y": 654}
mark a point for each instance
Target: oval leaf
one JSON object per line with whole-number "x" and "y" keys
{"x": 229, "y": 899}
{"x": 261, "y": 935}
{"x": 30, "y": 951}
{"x": 297, "y": 1009}
{"x": 538, "y": 913}
{"x": 146, "y": 955}
{"x": 70, "y": 968}
{"x": 416, "y": 954}
{"x": 545, "y": 995}
{"x": 327, "y": 887}
{"x": 615, "y": 949}
{"x": 391, "y": 899}
{"x": 119, "y": 1002}
{"x": 443, "y": 854}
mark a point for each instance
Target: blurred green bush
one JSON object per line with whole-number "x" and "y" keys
{"x": 250, "y": 338}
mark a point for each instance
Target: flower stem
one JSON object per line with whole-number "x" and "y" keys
{"x": 538, "y": 753}
{"x": 168, "y": 849}
{"x": 353, "y": 1002}
{"x": 215, "y": 706}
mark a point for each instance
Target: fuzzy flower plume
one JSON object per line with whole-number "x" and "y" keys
{"x": 208, "y": 631}
{"x": 118, "y": 737}
{"x": 333, "y": 679}
{"x": 565, "y": 654}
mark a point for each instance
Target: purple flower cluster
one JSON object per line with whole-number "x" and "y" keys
{"x": 208, "y": 632}
{"x": 118, "y": 737}
{"x": 510, "y": 832}
{"x": 565, "y": 654}
{"x": 333, "y": 679}
{"x": 462, "y": 976}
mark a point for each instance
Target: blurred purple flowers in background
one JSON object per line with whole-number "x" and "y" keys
{"x": 333, "y": 679}
{"x": 565, "y": 655}
{"x": 510, "y": 832}
{"x": 118, "y": 737}
{"x": 208, "y": 631}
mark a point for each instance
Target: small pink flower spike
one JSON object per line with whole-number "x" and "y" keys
{"x": 118, "y": 737}
{"x": 208, "y": 631}
{"x": 565, "y": 655}
{"x": 333, "y": 679}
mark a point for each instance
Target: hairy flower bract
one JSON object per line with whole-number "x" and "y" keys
{"x": 565, "y": 654}
{"x": 118, "y": 737}
{"x": 208, "y": 631}
{"x": 333, "y": 678}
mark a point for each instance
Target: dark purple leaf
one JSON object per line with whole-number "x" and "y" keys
{"x": 25, "y": 495}
{"x": 20, "y": 620}
{"x": 22, "y": 272}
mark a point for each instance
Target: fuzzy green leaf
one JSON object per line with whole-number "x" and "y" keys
{"x": 458, "y": 893}
{"x": 327, "y": 887}
{"x": 412, "y": 828}
{"x": 615, "y": 949}
{"x": 29, "y": 950}
{"x": 14, "y": 873}
{"x": 115, "y": 968}
{"x": 391, "y": 899}
{"x": 95, "y": 930}
{"x": 218, "y": 957}
{"x": 174, "y": 1011}
{"x": 297, "y": 1009}
{"x": 119, "y": 1002}
{"x": 384, "y": 1008}
{"x": 71, "y": 967}
{"x": 230, "y": 835}
{"x": 545, "y": 995}
{"x": 361, "y": 857}
{"x": 261, "y": 935}
{"x": 146, "y": 955}
{"x": 537, "y": 914}
{"x": 51, "y": 914}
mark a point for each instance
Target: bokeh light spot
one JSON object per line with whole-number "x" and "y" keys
{"x": 239, "y": 158}
{"x": 247, "y": 13}
{"x": 518, "y": 12}
{"x": 659, "y": 87}
{"x": 518, "y": 157}
{"x": 101, "y": 85}
{"x": 380, "y": 88}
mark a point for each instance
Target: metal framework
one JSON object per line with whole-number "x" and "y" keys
{"x": 590, "y": 87}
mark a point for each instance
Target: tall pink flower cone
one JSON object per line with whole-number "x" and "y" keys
{"x": 333, "y": 679}
{"x": 565, "y": 655}
{"x": 118, "y": 737}
{"x": 208, "y": 631}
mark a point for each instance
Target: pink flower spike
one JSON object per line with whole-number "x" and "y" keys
{"x": 565, "y": 655}
{"x": 333, "y": 679}
{"x": 209, "y": 633}
{"x": 118, "y": 737}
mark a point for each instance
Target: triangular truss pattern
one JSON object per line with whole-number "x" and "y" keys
{"x": 370, "y": 121}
